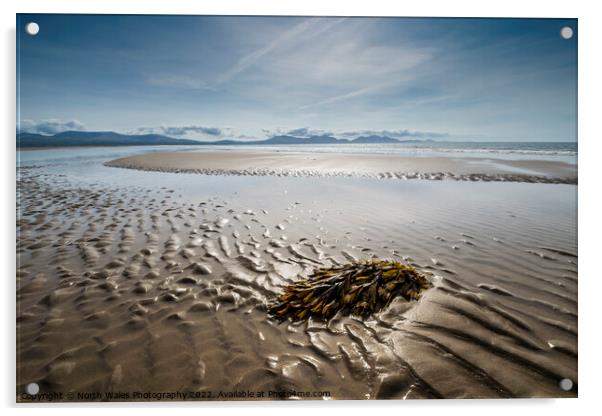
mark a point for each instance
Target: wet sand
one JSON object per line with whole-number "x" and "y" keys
{"x": 129, "y": 288}
{"x": 354, "y": 165}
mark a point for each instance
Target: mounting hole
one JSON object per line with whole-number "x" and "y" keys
{"x": 32, "y": 388}
{"x": 566, "y": 32}
{"x": 32, "y": 28}
{"x": 566, "y": 384}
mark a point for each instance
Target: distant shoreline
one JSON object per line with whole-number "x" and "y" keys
{"x": 108, "y": 138}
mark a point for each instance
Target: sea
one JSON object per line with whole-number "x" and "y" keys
{"x": 564, "y": 151}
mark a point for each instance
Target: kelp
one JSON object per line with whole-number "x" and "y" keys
{"x": 360, "y": 288}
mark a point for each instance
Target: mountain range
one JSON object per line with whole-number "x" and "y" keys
{"x": 109, "y": 138}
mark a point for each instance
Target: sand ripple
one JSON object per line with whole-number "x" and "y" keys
{"x": 125, "y": 289}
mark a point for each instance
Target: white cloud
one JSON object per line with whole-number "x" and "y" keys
{"x": 49, "y": 126}
{"x": 297, "y": 132}
{"x": 191, "y": 131}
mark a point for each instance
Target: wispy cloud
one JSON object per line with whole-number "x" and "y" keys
{"x": 341, "y": 97}
{"x": 310, "y": 27}
{"x": 49, "y": 126}
{"x": 327, "y": 64}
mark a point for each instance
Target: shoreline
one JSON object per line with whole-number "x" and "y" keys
{"x": 291, "y": 164}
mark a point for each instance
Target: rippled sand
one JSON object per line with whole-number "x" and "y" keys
{"x": 133, "y": 288}
{"x": 245, "y": 163}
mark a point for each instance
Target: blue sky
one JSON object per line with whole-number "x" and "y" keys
{"x": 210, "y": 77}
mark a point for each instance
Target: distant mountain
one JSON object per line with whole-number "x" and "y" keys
{"x": 109, "y": 138}
{"x": 97, "y": 138}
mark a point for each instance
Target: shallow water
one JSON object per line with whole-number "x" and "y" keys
{"x": 147, "y": 281}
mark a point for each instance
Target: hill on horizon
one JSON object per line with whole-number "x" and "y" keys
{"x": 98, "y": 138}
{"x": 109, "y": 138}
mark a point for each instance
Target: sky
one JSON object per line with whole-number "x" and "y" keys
{"x": 212, "y": 77}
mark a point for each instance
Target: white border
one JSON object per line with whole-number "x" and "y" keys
{"x": 590, "y": 153}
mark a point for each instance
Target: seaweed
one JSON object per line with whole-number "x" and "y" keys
{"x": 360, "y": 288}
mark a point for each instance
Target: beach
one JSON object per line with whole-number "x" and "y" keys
{"x": 288, "y": 163}
{"x": 147, "y": 270}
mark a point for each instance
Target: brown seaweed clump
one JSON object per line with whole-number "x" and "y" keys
{"x": 359, "y": 288}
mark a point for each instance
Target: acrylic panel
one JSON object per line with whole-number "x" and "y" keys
{"x": 278, "y": 208}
